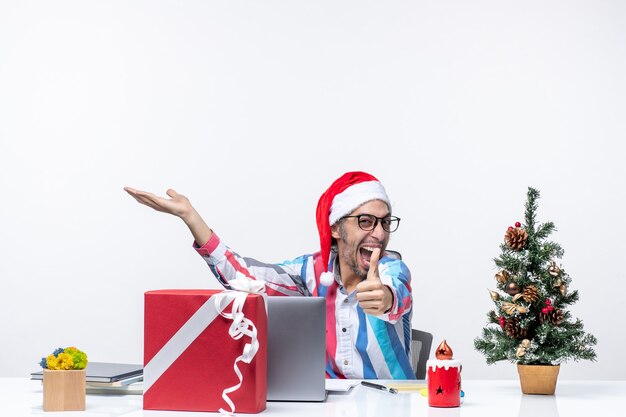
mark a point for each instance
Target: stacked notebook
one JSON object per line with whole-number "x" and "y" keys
{"x": 105, "y": 377}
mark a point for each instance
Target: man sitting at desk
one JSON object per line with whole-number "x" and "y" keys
{"x": 368, "y": 298}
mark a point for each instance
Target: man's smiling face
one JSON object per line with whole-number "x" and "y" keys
{"x": 354, "y": 244}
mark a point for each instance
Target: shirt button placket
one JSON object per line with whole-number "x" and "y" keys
{"x": 345, "y": 339}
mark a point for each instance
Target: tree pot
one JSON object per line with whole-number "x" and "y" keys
{"x": 538, "y": 379}
{"x": 64, "y": 390}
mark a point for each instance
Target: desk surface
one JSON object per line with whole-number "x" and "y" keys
{"x": 23, "y": 397}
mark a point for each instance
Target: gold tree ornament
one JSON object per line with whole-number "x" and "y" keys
{"x": 511, "y": 308}
{"x": 512, "y": 288}
{"x": 515, "y": 238}
{"x": 521, "y": 349}
{"x": 561, "y": 286}
{"x": 530, "y": 294}
{"x": 502, "y": 276}
{"x": 554, "y": 270}
{"x": 494, "y": 295}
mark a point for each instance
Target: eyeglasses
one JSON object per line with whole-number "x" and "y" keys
{"x": 368, "y": 222}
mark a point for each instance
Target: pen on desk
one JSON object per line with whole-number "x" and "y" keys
{"x": 380, "y": 387}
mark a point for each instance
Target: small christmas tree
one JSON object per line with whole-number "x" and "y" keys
{"x": 533, "y": 326}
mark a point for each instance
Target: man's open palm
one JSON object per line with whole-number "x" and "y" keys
{"x": 177, "y": 204}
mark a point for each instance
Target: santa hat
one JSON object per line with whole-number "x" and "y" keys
{"x": 347, "y": 193}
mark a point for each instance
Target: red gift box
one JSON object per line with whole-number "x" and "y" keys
{"x": 189, "y": 354}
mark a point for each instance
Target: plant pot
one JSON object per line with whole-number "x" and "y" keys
{"x": 64, "y": 390}
{"x": 538, "y": 379}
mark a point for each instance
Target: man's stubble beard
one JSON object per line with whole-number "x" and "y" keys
{"x": 347, "y": 255}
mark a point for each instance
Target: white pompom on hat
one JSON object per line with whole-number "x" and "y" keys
{"x": 346, "y": 194}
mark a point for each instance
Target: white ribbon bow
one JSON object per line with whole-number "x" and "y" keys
{"x": 240, "y": 327}
{"x": 245, "y": 284}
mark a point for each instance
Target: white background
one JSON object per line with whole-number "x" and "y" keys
{"x": 253, "y": 108}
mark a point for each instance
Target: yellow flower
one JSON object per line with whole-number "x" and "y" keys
{"x": 63, "y": 361}
{"x": 52, "y": 362}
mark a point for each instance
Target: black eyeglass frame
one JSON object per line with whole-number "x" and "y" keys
{"x": 378, "y": 219}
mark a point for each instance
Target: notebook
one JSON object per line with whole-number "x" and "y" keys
{"x": 106, "y": 372}
{"x": 296, "y": 350}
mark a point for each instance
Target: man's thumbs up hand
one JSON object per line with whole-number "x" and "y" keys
{"x": 374, "y": 297}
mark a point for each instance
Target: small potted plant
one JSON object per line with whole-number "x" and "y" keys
{"x": 530, "y": 324}
{"x": 64, "y": 380}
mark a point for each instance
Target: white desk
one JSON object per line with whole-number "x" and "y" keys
{"x": 23, "y": 397}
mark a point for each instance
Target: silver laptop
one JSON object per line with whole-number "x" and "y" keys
{"x": 296, "y": 349}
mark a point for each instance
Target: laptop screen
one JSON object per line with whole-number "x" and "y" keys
{"x": 296, "y": 351}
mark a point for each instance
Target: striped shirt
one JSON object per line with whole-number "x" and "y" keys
{"x": 358, "y": 345}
